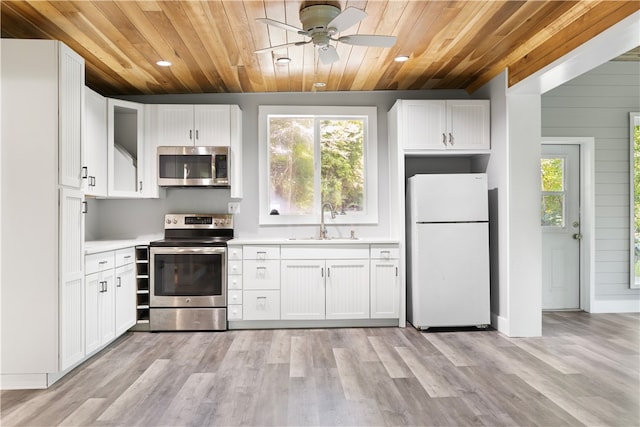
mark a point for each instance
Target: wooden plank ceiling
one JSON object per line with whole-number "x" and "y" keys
{"x": 451, "y": 44}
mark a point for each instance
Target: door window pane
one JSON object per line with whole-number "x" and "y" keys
{"x": 552, "y": 210}
{"x": 552, "y": 172}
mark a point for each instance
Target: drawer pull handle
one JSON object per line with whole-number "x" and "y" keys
{"x": 103, "y": 262}
{"x": 127, "y": 256}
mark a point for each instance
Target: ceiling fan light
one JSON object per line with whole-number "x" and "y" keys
{"x": 401, "y": 58}
{"x": 163, "y": 63}
{"x": 283, "y": 60}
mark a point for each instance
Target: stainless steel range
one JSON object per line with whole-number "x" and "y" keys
{"x": 188, "y": 273}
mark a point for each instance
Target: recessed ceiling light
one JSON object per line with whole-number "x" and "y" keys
{"x": 163, "y": 63}
{"x": 283, "y": 60}
{"x": 319, "y": 84}
{"x": 401, "y": 58}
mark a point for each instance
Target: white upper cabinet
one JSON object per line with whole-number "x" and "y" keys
{"x": 199, "y": 125}
{"x": 443, "y": 125}
{"x": 95, "y": 152}
{"x": 125, "y": 148}
{"x": 71, "y": 108}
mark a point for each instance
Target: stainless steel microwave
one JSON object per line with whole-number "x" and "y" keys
{"x": 193, "y": 166}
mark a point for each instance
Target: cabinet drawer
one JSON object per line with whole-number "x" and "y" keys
{"x": 342, "y": 251}
{"x": 263, "y": 253}
{"x": 235, "y": 267}
{"x": 125, "y": 256}
{"x": 98, "y": 262}
{"x": 261, "y": 274}
{"x": 234, "y": 253}
{"x": 234, "y": 282}
{"x": 235, "y": 297}
{"x": 385, "y": 252}
{"x": 261, "y": 305}
{"x": 234, "y": 312}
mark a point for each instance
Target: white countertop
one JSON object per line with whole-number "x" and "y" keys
{"x": 95, "y": 246}
{"x": 312, "y": 241}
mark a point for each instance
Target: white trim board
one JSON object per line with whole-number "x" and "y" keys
{"x": 587, "y": 214}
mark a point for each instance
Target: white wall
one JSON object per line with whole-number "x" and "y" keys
{"x": 132, "y": 218}
{"x": 498, "y": 180}
{"x": 597, "y": 104}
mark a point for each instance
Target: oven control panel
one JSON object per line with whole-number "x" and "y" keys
{"x": 196, "y": 221}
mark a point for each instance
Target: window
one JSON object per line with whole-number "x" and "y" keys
{"x": 634, "y": 214}
{"x": 311, "y": 156}
{"x": 553, "y": 192}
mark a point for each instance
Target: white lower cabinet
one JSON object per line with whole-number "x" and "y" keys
{"x": 385, "y": 283}
{"x": 302, "y": 289}
{"x": 347, "y": 289}
{"x": 355, "y": 281}
{"x": 99, "y": 301}
{"x": 125, "y": 287}
{"x": 261, "y": 283}
{"x": 110, "y": 297}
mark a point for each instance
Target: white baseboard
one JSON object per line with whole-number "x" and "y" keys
{"x": 500, "y": 323}
{"x": 615, "y": 306}
{"x": 23, "y": 381}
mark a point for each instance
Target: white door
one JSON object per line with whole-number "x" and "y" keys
{"x": 560, "y": 220}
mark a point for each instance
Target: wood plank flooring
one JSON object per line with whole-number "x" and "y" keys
{"x": 585, "y": 370}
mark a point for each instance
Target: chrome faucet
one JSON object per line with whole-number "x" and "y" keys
{"x": 323, "y": 228}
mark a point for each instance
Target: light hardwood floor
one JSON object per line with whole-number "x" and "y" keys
{"x": 583, "y": 371}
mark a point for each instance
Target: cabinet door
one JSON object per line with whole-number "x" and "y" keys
{"x": 71, "y": 277}
{"x": 302, "y": 289}
{"x": 95, "y": 144}
{"x": 385, "y": 289}
{"x": 125, "y": 294}
{"x": 347, "y": 289}
{"x": 424, "y": 124}
{"x": 70, "y": 116}
{"x": 125, "y": 148}
{"x": 106, "y": 308}
{"x": 212, "y": 125}
{"x": 92, "y": 324}
{"x": 174, "y": 125}
{"x": 468, "y": 124}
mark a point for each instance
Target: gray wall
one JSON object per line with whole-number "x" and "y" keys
{"x": 597, "y": 104}
{"x": 109, "y": 219}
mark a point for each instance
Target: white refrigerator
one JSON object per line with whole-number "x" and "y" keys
{"x": 448, "y": 251}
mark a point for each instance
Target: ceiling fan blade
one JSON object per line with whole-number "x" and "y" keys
{"x": 281, "y": 25}
{"x": 328, "y": 54}
{"x": 280, "y": 46}
{"x": 368, "y": 40}
{"x": 348, "y": 18}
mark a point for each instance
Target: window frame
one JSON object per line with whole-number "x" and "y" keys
{"x": 370, "y": 149}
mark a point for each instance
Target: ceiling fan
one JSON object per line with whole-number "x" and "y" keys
{"x": 321, "y": 22}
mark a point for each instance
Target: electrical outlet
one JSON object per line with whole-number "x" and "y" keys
{"x": 233, "y": 207}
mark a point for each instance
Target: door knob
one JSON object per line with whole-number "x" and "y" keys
{"x": 577, "y": 236}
